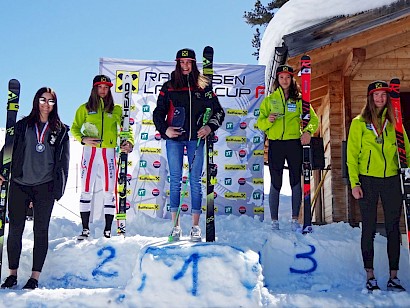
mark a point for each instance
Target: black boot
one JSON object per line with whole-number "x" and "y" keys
{"x": 108, "y": 223}
{"x": 85, "y": 219}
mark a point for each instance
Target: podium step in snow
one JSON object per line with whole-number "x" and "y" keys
{"x": 195, "y": 269}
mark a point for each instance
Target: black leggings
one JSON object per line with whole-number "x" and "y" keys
{"x": 43, "y": 201}
{"x": 279, "y": 150}
{"x": 389, "y": 191}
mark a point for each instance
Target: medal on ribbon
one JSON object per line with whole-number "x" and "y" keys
{"x": 40, "y": 147}
{"x": 379, "y": 136}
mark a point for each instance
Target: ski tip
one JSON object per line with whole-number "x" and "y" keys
{"x": 208, "y": 48}
{"x": 395, "y": 80}
{"x": 305, "y": 57}
{"x": 14, "y": 82}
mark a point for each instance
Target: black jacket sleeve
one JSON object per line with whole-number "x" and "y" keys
{"x": 62, "y": 164}
{"x": 160, "y": 112}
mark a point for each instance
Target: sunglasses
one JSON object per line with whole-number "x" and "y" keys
{"x": 43, "y": 100}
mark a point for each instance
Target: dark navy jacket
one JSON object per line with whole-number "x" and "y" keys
{"x": 193, "y": 101}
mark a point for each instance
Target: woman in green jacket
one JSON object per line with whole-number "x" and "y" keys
{"x": 372, "y": 162}
{"x": 96, "y": 125}
{"x": 280, "y": 119}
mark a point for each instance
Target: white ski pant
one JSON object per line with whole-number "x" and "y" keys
{"x": 98, "y": 163}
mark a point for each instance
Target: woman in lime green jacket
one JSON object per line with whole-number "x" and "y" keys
{"x": 96, "y": 125}
{"x": 372, "y": 162}
{"x": 280, "y": 119}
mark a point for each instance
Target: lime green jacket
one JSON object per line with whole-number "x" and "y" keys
{"x": 100, "y": 124}
{"x": 367, "y": 157}
{"x": 288, "y": 125}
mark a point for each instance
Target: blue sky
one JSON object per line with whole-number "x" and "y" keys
{"x": 59, "y": 43}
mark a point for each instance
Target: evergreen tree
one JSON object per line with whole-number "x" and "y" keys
{"x": 260, "y": 16}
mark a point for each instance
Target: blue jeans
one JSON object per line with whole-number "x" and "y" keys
{"x": 175, "y": 155}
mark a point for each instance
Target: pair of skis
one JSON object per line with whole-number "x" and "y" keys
{"x": 305, "y": 72}
{"x": 401, "y": 151}
{"x": 123, "y": 159}
{"x": 12, "y": 108}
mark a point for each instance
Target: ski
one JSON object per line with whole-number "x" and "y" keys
{"x": 401, "y": 151}
{"x": 12, "y": 108}
{"x": 305, "y": 71}
{"x": 211, "y": 168}
{"x": 123, "y": 159}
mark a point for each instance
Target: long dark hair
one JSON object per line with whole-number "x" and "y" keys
{"x": 294, "y": 89}
{"x": 94, "y": 101}
{"x": 34, "y": 117}
{"x": 370, "y": 114}
{"x": 177, "y": 77}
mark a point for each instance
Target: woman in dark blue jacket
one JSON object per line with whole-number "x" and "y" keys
{"x": 178, "y": 117}
{"x": 39, "y": 174}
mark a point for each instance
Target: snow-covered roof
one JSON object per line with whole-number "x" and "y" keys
{"x": 299, "y": 14}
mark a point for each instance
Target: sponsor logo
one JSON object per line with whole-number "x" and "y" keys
{"x": 228, "y": 153}
{"x": 153, "y": 178}
{"x": 143, "y": 163}
{"x": 150, "y": 150}
{"x": 258, "y": 210}
{"x": 155, "y": 192}
{"x": 241, "y": 181}
{"x": 184, "y": 207}
{"x": 157, "y": 136}
{"x": 153, "y": 207}
{"x": 243, "y": 125}
{"x": 228, "y": 181}
{"x": 258, "y": 153}
{"x": 235, "y": 167}
{"x": 141, "y": 192}
{"x": 257, "y": 180}
{"x": 119, "y": 82}
{"x": 238, "y": 112}
{"x": 235, "y": 195}
{"x": 146, "y": 108}
{"x": 242, "y": 209}
{"x": 147, "y": 122}
{"x": 229, "y": 125}
{"x": 259, "y": 90}
{"x": 156, "y": 164}
{"x": 256, "y": 139}
{"x": 228, "y": 210}
{"x": 144, "y": 136}
{"x": 236, "y": 139}
{"x": 256, "y": 167}
{"x": 256, "y": 195}
{"x": 242, "y": 153}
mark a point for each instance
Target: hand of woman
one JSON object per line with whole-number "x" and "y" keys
{"x": 173, "y": 132}
{"x": 126, "y": 147}
{"x": 204, "y": 131}
{"x": 2, "y": 179}
{"x": 272, "y": 117}
{"x": 357, "y": 192}
{"x": 92, "y": 141}
{"x": 305, "y": 138}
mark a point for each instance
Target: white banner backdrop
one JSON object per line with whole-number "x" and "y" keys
{"x": 238, "y": 151}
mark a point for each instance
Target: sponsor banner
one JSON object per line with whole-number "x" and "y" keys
{"x": 238, "y": 151}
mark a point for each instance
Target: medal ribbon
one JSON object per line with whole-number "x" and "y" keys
{"x": 383, "y": 128}
{"x": 40, "y": 137}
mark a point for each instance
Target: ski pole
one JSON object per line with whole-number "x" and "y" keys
{"x": 205, "y": 120}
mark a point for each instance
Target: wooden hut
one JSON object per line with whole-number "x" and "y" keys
{"x": 348, "y": 52}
